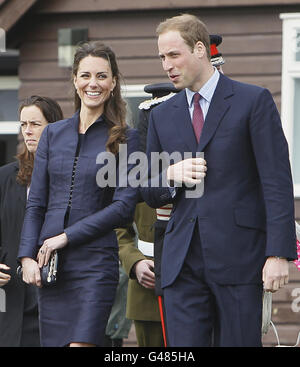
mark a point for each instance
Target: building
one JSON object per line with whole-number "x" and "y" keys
{"x": 261, "y": 41}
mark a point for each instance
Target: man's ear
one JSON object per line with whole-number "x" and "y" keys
{"x": 200, "y": 49}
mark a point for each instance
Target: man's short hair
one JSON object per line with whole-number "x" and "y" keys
{"x": 190, "y": 28}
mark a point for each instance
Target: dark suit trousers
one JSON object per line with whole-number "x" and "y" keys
{"x": 202, "y": 313}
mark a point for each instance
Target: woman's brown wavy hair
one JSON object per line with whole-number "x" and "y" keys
{"x": 115, "y": 106}
{"x": 52, "y": 112}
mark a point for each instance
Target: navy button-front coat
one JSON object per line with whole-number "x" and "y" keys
{"x": 77, "y": 307}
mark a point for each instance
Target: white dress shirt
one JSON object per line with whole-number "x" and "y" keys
{"x": 207, "y": 91}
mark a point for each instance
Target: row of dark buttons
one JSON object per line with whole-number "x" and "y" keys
{"x": 72, "y": 181}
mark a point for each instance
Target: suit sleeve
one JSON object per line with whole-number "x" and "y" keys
{"x": 143, "y": 128}
{"x": 115, "y": 215}
{"x": 272, "y": 159}
{"x": 37, "y": 200}
{"x": 128, "y": 252}
{"x": 158, "y": 194}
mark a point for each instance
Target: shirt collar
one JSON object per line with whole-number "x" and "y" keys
{"x": 207, "y": 90}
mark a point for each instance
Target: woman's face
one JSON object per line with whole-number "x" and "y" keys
{"x": 94, "y": 82}
{"x": 33, "y": 123}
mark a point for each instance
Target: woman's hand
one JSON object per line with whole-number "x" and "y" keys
{"x": 31, "y": 271}
{"x": 50, "y": 245}
{"x": 4, "y": 278}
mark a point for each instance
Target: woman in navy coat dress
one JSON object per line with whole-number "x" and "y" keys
{"x": 72, "y": 211}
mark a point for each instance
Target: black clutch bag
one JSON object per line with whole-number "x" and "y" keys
{"x": 48, "y": 272}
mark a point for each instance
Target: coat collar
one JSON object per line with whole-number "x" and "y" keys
{"x": 74, "y": 121}
{"x": 72, "y": 127}
{"x": 220, "y": 104}
{"x": 182, "y": 121}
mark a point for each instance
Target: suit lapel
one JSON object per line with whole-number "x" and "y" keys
{"x": 220, "y": 104}
{"x": 182, "y": 122}
{"x": 22, "y": 194}
{"x": 21, "y": 190}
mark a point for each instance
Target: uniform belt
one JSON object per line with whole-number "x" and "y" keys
{"x": 164, "y": 212}
{"x": 146, "y": 248}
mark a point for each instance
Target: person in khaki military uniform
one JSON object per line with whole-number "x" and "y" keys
{"x": 144, "y": 288}
{"x": 142, "y": 304}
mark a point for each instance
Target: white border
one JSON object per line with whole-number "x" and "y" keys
{"x": 290, "y": 71}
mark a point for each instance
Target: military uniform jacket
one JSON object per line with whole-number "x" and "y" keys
{"x": 142, "y": 303}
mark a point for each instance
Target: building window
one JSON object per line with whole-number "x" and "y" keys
{"x": 9, "y": 124}
{"x": 297, "y": 45}
{"x": 290, "y": 91}
{"x": 9, "y": 86}
{"x": 134, "y": 95}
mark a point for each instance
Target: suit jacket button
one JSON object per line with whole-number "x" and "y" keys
{"x": 192, "y": 220}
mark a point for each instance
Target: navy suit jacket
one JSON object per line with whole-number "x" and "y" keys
{"x": 246, "y": 212}
{"x": 95, "y": 211}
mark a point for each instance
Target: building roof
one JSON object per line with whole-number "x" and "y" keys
{"x": 11, "y": 11}
{"x": 75, "y": 6}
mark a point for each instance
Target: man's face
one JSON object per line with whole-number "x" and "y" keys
{"x": 182, "y": 66}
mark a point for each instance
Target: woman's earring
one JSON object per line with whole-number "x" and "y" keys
{"x": 112, "y": 93}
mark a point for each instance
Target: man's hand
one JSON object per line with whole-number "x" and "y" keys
{"x": 190, "y": 171}
{"x": 144, "y": 273}
{"x": 4, "y": 278}
{"x": 31, "y": 271}
{"x": 275, "y": 273}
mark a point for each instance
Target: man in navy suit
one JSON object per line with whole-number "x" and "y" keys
{"x": 222, "y": 247}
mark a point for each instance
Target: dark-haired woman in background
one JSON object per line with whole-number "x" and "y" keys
{"x": 69, "y": 211}
{"x": 19, "y": 323}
